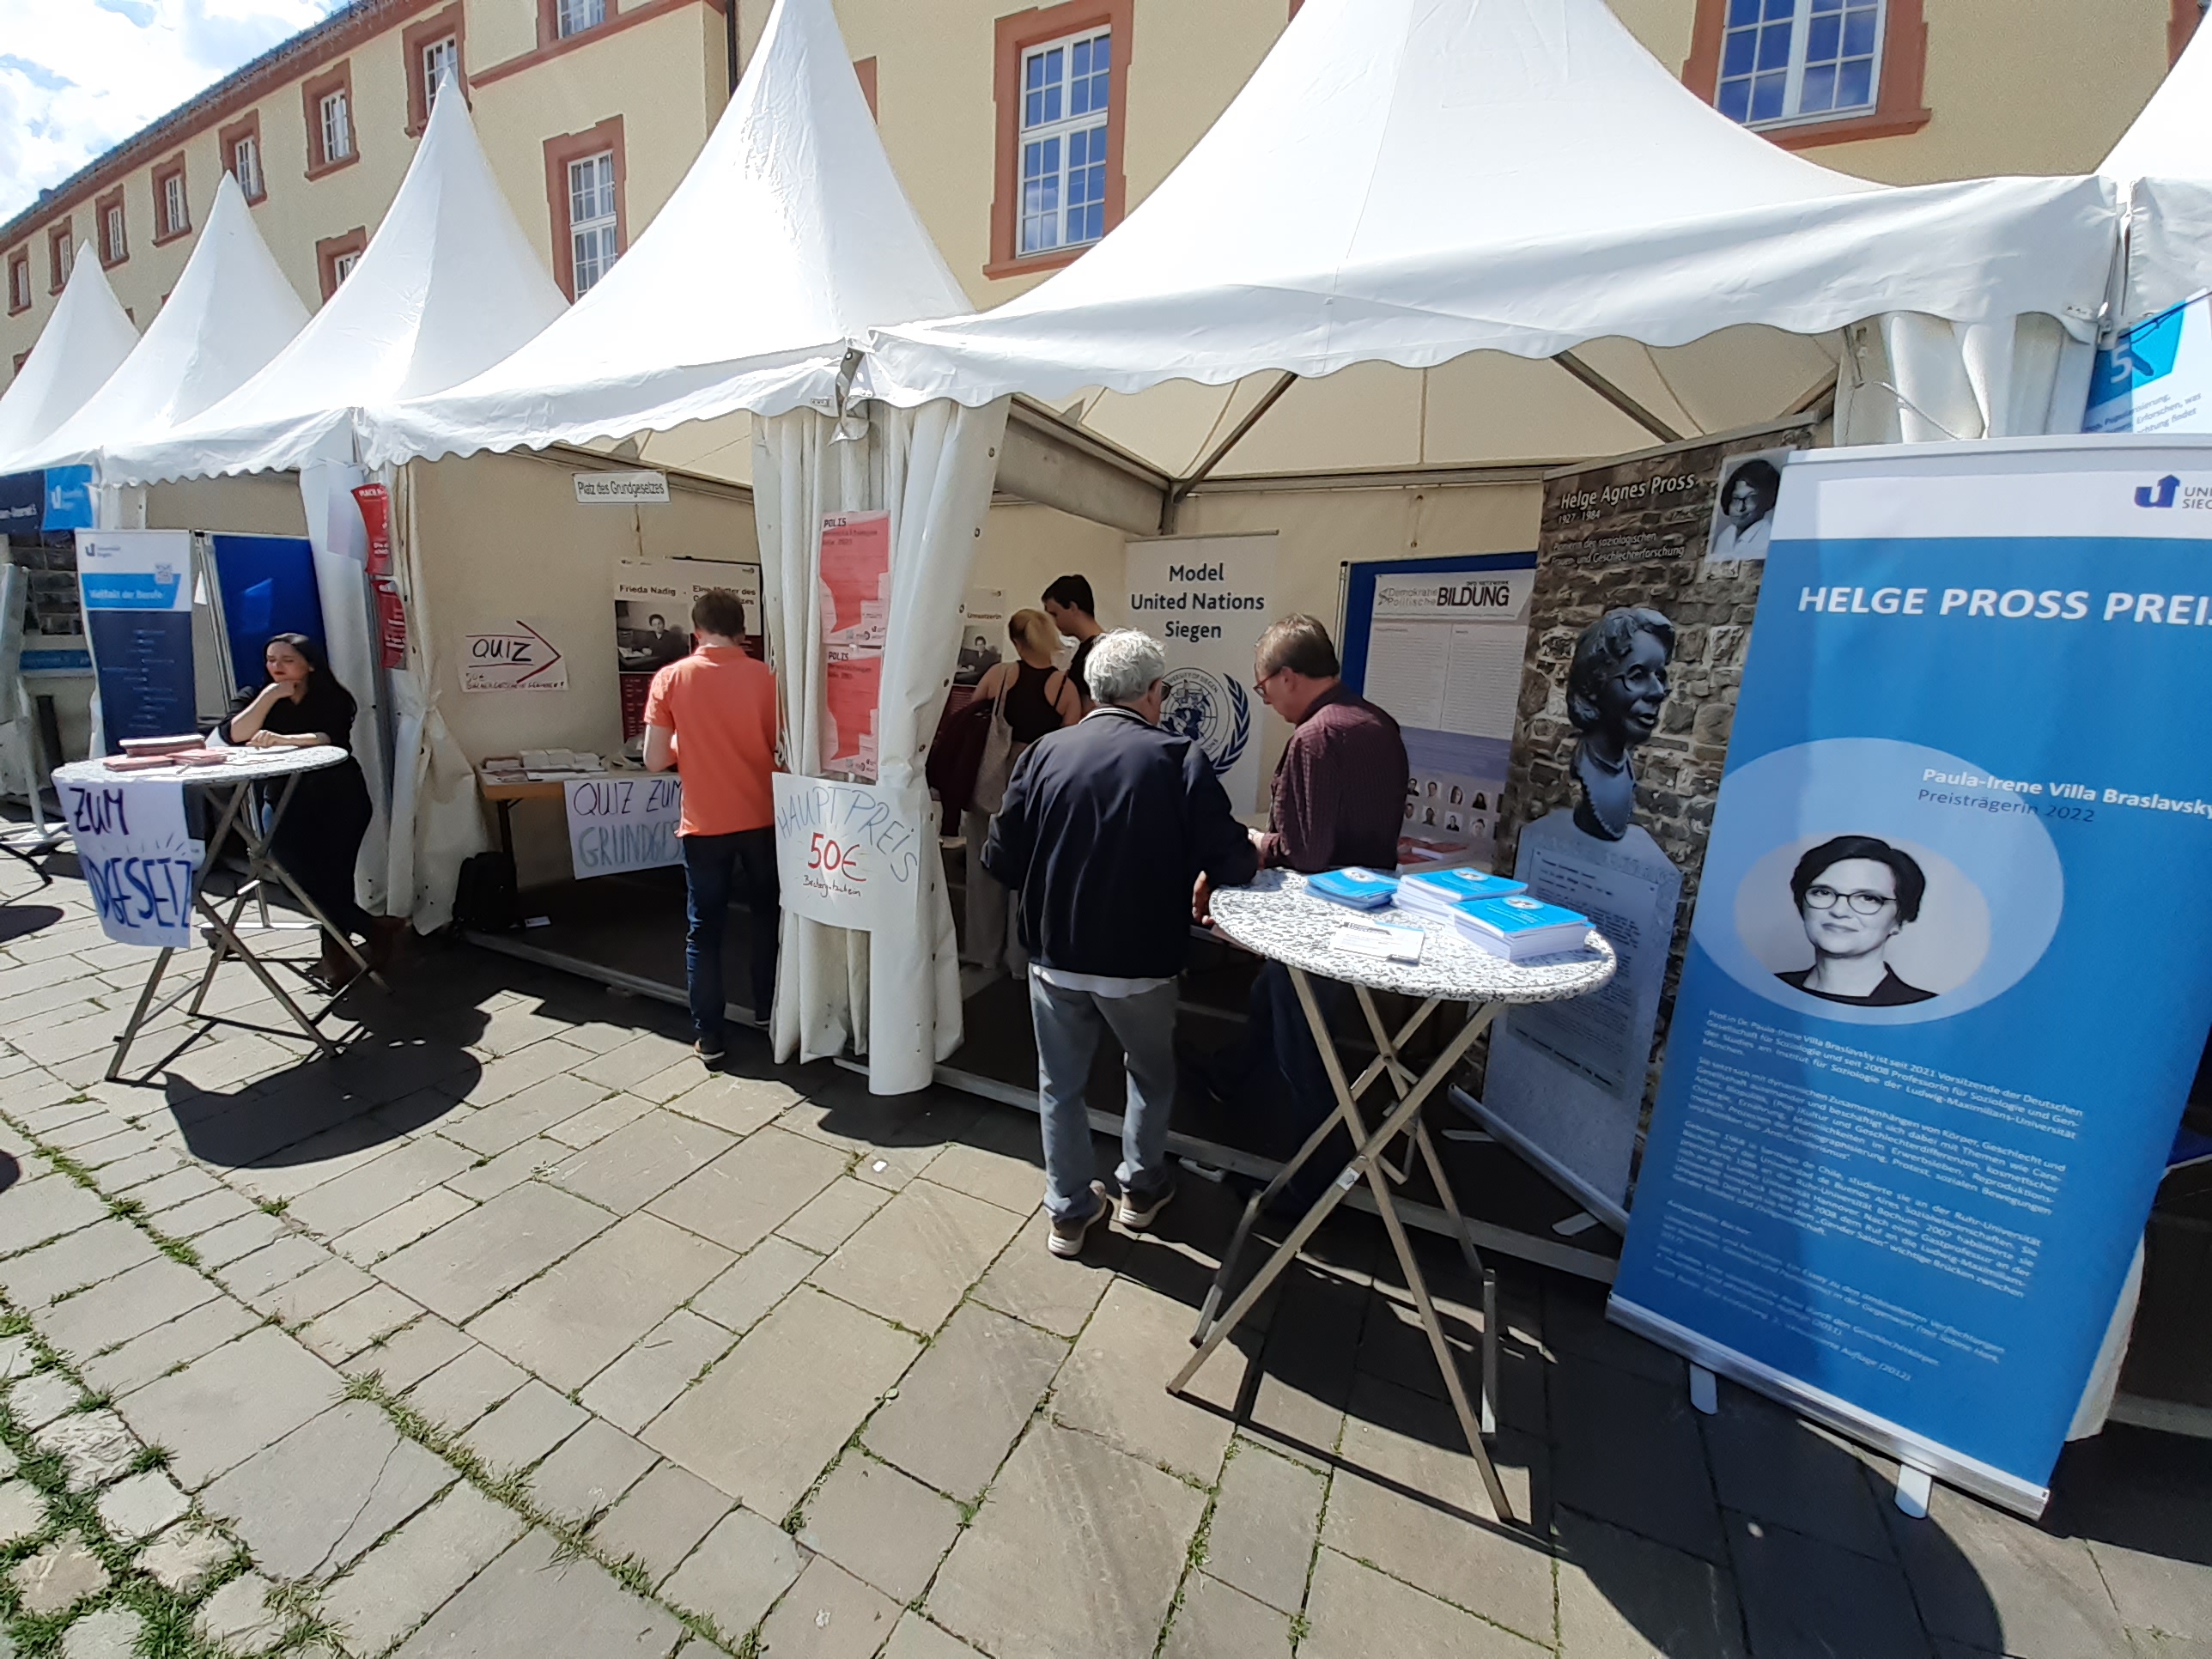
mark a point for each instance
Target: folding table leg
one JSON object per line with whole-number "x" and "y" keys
{"x": 138, "y": 1014}
{"x": 268, "y": 979}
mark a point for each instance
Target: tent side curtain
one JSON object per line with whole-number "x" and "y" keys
{"x": 895, "y": 994}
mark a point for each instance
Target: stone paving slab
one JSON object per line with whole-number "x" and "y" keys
{"x": 736, "y": 1574}
{"x": 1217, "y": 1622}
{"x": 1358, "y": 1612}
{"x": 1077, "y": 1553}
{"x": 413, "y": 1573}
{"x": 388, "y": 1234}
{"x": 802, "y": 1382}
{"x": 1620, "y": 1594}
{"x": 1267, "y": 1516}
{"x": 179, "y": 1342}
{"x": 523, "y": 1427}
{"x": 762, "y": 1277}
{"x": 1114, "y": 1383}
{"x": 588, "y": 1473}
{"x": 750, "y": 1190}
{"x": 84, "y": 1257}
{"x": 661, "y": 1519}
{"x": 915, "y": 1260}
{"x": 35, "y": 1211}
{"x": 638, "y": 1386}
{"x": 466, "y": 1387}
{"x": 828, "y": 1614}
{"x": 881, "y": 1526}
{"x": 470, "y": 1263}
{"x": 961, "y": 1407}
{"x": 202, "y": 1413}
{"x": 530, "y": 1603}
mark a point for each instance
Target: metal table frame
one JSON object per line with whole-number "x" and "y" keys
{"x": 262, "y": 868}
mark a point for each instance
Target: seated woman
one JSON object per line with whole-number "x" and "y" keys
{"x": 318, "y": 840}
{"x": 1854, "y": 894}
{"x": 1035, "y": 698}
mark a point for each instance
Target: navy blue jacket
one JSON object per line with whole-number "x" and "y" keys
{"x": 1104, "y": 830}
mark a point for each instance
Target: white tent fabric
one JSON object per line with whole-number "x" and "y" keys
{"x": 789, "y": 236}
{"x": 2166, "y": 159}
{"x": 231, "y": 311}
{"x": 83, "y": 342}
{"x": 894, "y": 994}
{"x": 1407, "y": 181}
{"x": 449, "y": 285}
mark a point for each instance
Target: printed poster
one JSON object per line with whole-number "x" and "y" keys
{"x": 137, "y": 591}
{"x": 1438, "y": 643}
{"x": 2157, "y": 377}
{"x": 984, "y": 643}
{"x": 856, "y": 602}
{"x": 1206, "y": 600}
{"x": 652, "y": 624}
{"x": 1945, "y": 988}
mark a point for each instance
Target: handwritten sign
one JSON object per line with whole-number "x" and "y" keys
{"x": 849, "y": 855}
{"x": 618, "y": 824}
{"x": 520, "y": 659}
{"x": 137, "y": 856}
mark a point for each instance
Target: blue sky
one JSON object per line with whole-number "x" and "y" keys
{"x": 77, "y": 77}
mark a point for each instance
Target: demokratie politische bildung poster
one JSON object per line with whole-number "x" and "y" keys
{"x": 1948, "y": 980}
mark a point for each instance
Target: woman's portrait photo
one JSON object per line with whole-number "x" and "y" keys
{"x": 1855, "y": 895}
{"x": 1745, "y": 514}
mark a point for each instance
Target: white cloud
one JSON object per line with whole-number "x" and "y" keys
{"x": 79, "y": 76}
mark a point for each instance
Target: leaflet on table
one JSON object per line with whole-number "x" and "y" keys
{"x": 1928, "y": 1057}
{"x": 1382, "y": 944}
{"x": 139, "y": 859}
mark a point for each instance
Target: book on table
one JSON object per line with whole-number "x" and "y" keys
{"x": 1438, "y": 891}
{"x": 1518, "y": 926}
{"x": 1357, "y": 889}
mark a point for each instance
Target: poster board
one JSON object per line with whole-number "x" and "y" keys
{"x": 1568, "y": 1088}
{"x": 137, "y": 587}
{"x": 264, "y": 585}
{"x": 856, "y": 602}
{"x": 983, "y": 643}
{"x": 2157, "y": 376}
{"x": 1438, "y": 643}
{"x": 652, "y": 622}
{"x": 1206, "y": 599}
{"x": 1946, "y": 990}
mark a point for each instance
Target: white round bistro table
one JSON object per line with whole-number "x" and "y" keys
{"x": 229, "y": 788}
{"x": 1275, "y": 916}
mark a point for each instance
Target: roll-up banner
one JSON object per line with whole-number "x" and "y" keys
{"x": 1945, "y": 986}
{"x": 138, "y": 587}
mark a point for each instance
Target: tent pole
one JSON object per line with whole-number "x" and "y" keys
{"x": 1175, "y": 496}
{"x": 1619, "y": 399}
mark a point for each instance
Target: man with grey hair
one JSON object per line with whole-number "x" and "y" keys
{"x": 1109, "y": 829}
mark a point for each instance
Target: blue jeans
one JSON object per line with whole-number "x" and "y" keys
{"x": 1277, "y": 1034}
{"x": 716, "y": 869}
{"x": 1067, "y": 1024}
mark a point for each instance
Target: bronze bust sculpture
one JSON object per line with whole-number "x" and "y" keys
{"x": 1616, "y": 684}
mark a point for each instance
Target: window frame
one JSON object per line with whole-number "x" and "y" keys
{"x": 2188, "y": 16}
{"x": 329, "y": 251}
{"x": 414, "y": 44}
{"x": 1018, "y": 35}
{"x": 19, "y": 292}
{"x": 606, "y": 137}
{"x": 1900, "y": 80}
{"x": 113, "y": 222}
{"x": 61, "y": 256}
{"x": 337, "y": 79}
{"x": 864, "y": 71}
{"x": 165, "y": 230}
{"x": 229, "y": 138}
{"x": 550, "y": 31}
{"x": 606, "y": 220}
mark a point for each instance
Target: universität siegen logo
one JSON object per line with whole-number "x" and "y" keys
{"x": 1211, "y": 711}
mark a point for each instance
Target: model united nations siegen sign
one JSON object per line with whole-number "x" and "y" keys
{"x": 1205, "y": 599}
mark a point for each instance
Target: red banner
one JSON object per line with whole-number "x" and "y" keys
{"x": 391, "y": 621}
{"x": 376, "y": 504}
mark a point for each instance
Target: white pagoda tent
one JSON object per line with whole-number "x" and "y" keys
{"x": 84, "y": 342}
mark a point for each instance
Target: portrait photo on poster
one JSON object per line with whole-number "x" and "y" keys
{"x": 1743, "y": 513}
{"x": 1859, "y": 891}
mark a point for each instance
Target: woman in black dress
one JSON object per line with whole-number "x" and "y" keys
{"x": 319, "y": 839}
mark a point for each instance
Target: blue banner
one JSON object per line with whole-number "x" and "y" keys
{"x": 1946, "y": 986}
{"x": 268, "y": 587}
{"x": 137, "y": 589}
{"x": 68, "y": 498}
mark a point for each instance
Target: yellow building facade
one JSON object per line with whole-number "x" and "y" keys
{"x": 592, "y": 110}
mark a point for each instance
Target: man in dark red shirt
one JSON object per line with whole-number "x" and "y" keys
{"x": 1339, "y": 796}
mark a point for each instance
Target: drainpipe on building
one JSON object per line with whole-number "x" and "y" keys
{"x": 729, "y": 35}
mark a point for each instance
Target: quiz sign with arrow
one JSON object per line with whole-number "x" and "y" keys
{"x": 513, "y": 659}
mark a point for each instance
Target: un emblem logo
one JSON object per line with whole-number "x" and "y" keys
{"x": 1213, "y": 712}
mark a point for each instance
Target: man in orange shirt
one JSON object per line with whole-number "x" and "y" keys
{"x": 712, "y": 715}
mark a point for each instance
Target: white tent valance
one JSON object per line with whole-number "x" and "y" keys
{"x": 231, "y": 312}
{"x": 83, "y": 342}
{"x": 2164, "y": 162}
{"x": 789, "y": 236}
{"x": 449, "y": 284}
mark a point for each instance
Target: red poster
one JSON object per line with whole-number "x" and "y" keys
{"x": 376, "y": 504}
{"x": 391, "y": 623}
{"x": 852, "y": 686}
{"x": 856, "y": 567}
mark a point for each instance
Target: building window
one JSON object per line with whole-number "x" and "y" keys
{"x": 1811, "y": 72}
{"x": 433, "y": 48}
{"x": 1794, "y": 60}
{"x": 327, "y": 102}
{"x": 114, "y": 237}
{"x": 173, "y": 215}
{"x": 1065, "y": 87}
{"x": 240, "y": 146}
{"x": 1062, "y": 84}
{"x": 61, "y": 257}
{"x": 584, "y": 182}
{"x": 2187, "y": 15}
{"x": 574, "y": 16}
{"x": 336, "y": 255}
{"x": 592, "y": 235}
{"x": 19, "y": 281}
{"x": 440, "y": 59}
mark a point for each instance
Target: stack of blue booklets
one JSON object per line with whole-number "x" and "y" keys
{"x": 1441, "y": 892}
{"x": 1518, "y": 926}
{"x": 1357, "y": 889}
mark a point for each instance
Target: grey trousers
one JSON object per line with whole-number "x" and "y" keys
{"x": 1067, "y": 1025}
{"x": 993, "y": 929}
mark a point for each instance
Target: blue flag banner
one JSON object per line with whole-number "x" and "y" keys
{"x": 1946, "y": 986}
{"x": 68, "y": 499}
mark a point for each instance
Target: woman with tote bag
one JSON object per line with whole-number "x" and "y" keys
{"x": 1028, "y": 697}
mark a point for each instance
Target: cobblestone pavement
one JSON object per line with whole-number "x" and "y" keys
{"x": 513, "y": 1332}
